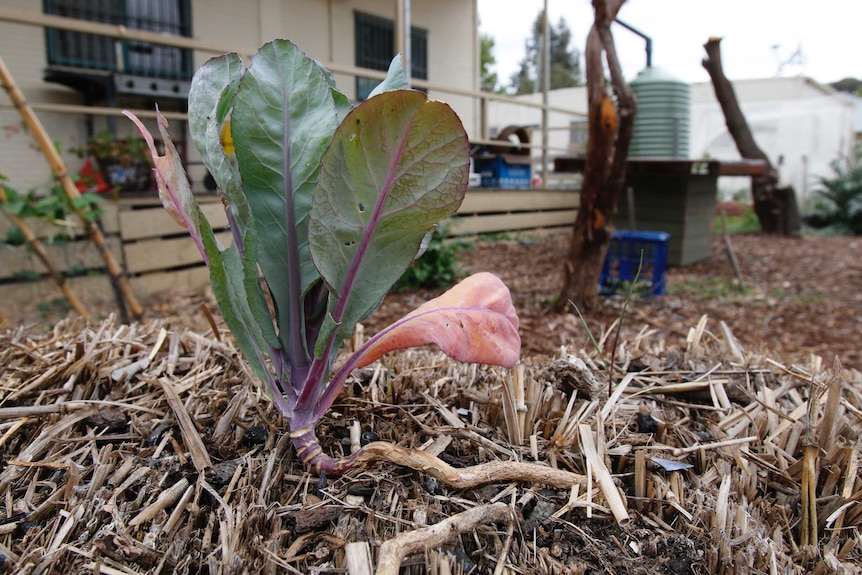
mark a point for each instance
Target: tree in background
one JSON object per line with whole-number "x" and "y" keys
{"x": 611, "y": 111}
{"x": 488, "y": 61}
{"x": 849, "y": 85}
{"x": 565, "y": 60}
{"x": 775, "y": 206}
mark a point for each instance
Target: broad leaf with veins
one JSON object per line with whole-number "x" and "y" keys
{"x": 398, "y": 163}
{"x": 282, "y": 121}
{"x": 474, "y": 321}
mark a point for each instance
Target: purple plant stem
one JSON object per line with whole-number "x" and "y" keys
{"x": 308, "y": 449}
{"x": 297, "y": 358}
{"x": 318, "y": 366}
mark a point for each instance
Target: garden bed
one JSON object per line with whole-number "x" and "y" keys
{"x": 146, "y": 448}
{"x": 132, "y": 449}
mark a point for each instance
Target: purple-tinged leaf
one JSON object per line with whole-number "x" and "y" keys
{"x": 174, "y": 188}
{"x": 474, "y": 321}
{"x": 398, "y": 163}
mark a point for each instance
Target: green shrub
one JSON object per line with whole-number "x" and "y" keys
{"x": 837, "y": 203}
{"x": 14, "y": 237}
{"x": 53, "y": 205}
{"x": 741, "y": 218}
{"x": 437, "y": 267}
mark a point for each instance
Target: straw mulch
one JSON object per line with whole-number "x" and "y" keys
{"x": 140, "y": 449}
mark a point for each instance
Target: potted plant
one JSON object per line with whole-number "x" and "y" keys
{"x": 124, "y": 163}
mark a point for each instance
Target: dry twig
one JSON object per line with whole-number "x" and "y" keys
{"x": 408, "y": 543}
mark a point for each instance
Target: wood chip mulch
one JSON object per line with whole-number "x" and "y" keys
{"x": 799, "y": 296}
{"x": 149, "y": 449}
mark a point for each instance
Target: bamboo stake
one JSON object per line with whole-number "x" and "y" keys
{"x": 731, "y": 254}
{"x": 59, "y": 169}
{"x": 39, "y": 249}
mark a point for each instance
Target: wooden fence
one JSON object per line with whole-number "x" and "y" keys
{"x": 158, "y": 255}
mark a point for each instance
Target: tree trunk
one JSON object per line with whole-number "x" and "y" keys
{"x": 775, "y": 207}
{"x": 610, "y": 131}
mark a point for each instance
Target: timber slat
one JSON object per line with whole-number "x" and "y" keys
{"x": 156, "y": 282}
{"x": 77, "y": 254}
{"x": 152, "y": 222}
{"x": 159, "y": 255}
{"x": 483, "y": 224}
{"x": 481, "y": 201}
{"x": 162, "y": 254}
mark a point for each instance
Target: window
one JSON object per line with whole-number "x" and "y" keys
{"x": 92, "y": 52}
{"x": 375, "y": 47}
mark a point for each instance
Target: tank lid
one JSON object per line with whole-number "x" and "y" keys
{"x": 654, "y": 75}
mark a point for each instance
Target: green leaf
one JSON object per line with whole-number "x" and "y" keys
{"x": 229, "y": 288}
{"x": 238, "y": 299}
{"x": 397, "y": 164}
{"x": 342, "y": 102}
{"x": 15, "y": 204}
{"x": 211, "y": 97}
{"x": 283, "y": 111}
{"x": 396, "y": 78}
{"x": 259, "y": 317}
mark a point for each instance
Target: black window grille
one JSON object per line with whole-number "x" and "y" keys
{"x": 375, "y": 47}
{"x": 92, "y": 52}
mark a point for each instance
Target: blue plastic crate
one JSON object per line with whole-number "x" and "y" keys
{"x": 496, "y": 172}
{"x": 625, "y": 254}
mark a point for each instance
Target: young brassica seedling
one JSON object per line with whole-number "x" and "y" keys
{"x": 328, "y": 204}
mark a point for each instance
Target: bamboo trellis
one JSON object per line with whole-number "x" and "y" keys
{"x": 42, "y": 254}
{"x": 58, "y": 166}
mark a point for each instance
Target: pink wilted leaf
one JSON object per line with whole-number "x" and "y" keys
{"x": 474, "y": 321}
{"x": 174, "y": 188}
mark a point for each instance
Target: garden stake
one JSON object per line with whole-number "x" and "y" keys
{"x": 731, "y": 254}
{"x": 59, "y": 169}
{"x": 37, "y": 247}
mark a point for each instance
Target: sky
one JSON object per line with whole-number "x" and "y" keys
{"x": 757, "y": 35}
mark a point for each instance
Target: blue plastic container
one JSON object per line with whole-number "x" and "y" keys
{"x": 496, "y": 172}
{"x": 629, "y": 251}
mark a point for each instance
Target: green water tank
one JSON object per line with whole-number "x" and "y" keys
{"x": 663, "y": 115}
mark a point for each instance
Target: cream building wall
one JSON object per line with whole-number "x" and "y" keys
{"x": 801, "y": 125}
{"x": 23, "y": 51}
{"x": 323, "y": 28}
